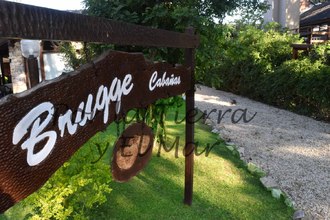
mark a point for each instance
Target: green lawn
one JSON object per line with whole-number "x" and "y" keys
{"x": 223, "y": 188}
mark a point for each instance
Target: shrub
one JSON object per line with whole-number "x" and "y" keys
{"x": 321, "y": 52}
{"x": 301, "y": 86}
{"x": 72, "y": 192}
{"x": 257, "y": 64}
{"x": 252, "y": 54}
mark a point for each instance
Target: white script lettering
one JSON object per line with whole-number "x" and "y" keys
{"x": 35, "y": 137}
{"x": 84, "y": 113}
{"x": 164, "y": 81}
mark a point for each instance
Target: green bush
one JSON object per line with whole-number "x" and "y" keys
{"x": 258, "y": 64}
{"x": 301, "y": 86}
{"x": 320, "y": 52}
{"x": 251, "y": 53}
{"x": 73, "y": 191}
{"x": 207, "y": 55}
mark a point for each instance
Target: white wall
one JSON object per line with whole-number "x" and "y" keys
{"x": 268, "y": 16}
{"x": 285, "y": 12}
{"x": 55, "y": 65}
{"x": 293, "y": 14}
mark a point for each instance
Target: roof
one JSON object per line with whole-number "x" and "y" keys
{"x": 319, "y": 14}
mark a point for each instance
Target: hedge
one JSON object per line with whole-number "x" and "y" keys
{"x": 257, "y": 64}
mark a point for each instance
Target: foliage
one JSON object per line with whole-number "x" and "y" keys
{"x": 301, "y": 86}
{"x": 73, "y": 191}
{"x": 321, "y": 52}
{"x": 134, "y": 11}
{"x": 76, "y": 57}
{"x": 78, "y": 187}
{"x": 170, "y": 15}
{"x": 249, "y": 53}
{"x": 177, "y": 15}
{"x": 257, "y": 63}
{"x": 208, "y": 54}
{"x": 252, "y": 12}
{"x": 155, "y": 115}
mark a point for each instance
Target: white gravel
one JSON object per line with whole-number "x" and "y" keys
{"x": 294, "y": 150}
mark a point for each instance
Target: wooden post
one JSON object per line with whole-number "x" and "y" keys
{"x": 42, "y": 62}
{"x": 190, "y": 112}
{"x": 2, "y": 80}
{"x": 294, "y": 53}
{"x": 33, "y": 71}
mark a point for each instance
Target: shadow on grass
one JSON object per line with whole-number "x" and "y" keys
{"x": 223, "y": 188}
{"x": 157, "y": 192}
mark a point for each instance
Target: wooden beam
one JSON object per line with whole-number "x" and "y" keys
{"x": 18, "y": 21}
{"x": 302, "y": 46}
{"x": 42, "y": 62}
{"x": 190, "y": 130}
{"x": 2, "y": 78}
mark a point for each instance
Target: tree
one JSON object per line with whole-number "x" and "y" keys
{"x": 139, "y": 11}
{"x": 170, "y": 15}
{"x": 252, "y": 12}
{"x": 176, "y": 15}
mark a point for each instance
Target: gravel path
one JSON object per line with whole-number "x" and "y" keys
{"x": 293, "y": 150}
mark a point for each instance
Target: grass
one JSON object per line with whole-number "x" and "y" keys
{"x": 223, "y": 188}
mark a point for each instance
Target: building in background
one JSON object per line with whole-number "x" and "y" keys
{"x": 315, "y": 23}
{"x": 13, "y": 66}
{"x": 305, "y": 5}
{"x": 311, "y": 20}
{"x": 285, "y": 12}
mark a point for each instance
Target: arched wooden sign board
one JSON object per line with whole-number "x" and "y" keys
{"x": 132, "y": 152}
{"x": 43, "y": 127}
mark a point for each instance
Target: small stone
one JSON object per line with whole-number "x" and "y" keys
{"x": 289, "y": 202}
{"x": 241, "y": 151}
{"x": 276, "y": 193}
{"x": 221, "y": 127}
{"x": 227, "y": 139}
{"x": 209, "y": 122}
{"x": 268, "y": 182}
{"x": 229, "y": 147}
{"x": 298, "y": 215}
{"x": 254, "y": 169}
{"x": 215, "y": 131}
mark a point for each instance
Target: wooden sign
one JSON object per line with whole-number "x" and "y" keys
{"x": 42, "y": 128}
{"x": 132, "y": 152}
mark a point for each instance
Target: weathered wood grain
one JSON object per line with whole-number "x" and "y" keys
{"x": 18, "y": 179}
{"x": 30, "y": 22}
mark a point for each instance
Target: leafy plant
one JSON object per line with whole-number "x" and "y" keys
{"x": 320, "y": 52}
{"x": 72, "y": 192}
{"x": 258, "y": 64}
{"x": 301, "y": 86}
